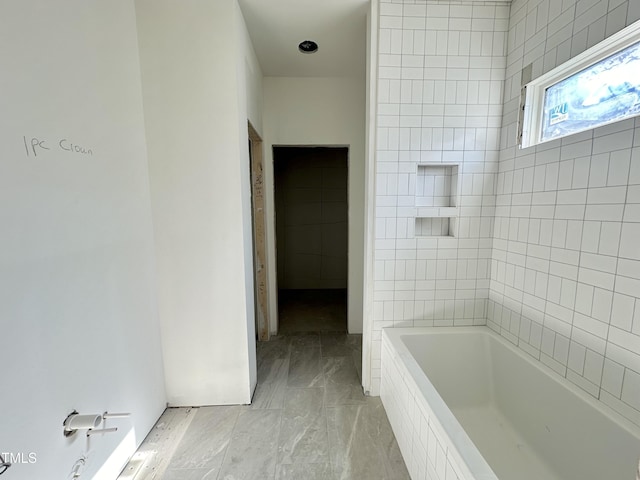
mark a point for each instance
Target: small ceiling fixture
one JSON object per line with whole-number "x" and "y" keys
{"x": 308, "y": 46}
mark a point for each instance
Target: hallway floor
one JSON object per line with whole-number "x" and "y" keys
{"x": 308, "y": 421}
{"x": 312, "y": 311}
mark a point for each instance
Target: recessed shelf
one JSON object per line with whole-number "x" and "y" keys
{"x": 437, "y": 200}
{"x": 435, "y": 226}
{"x": 437, "y": 185}
{"x": 437, "y": 212}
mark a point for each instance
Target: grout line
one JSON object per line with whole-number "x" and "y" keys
{"x": 325, "y": 411}
{"x": 286, "y": 388}
{"x": 226, "y": 449}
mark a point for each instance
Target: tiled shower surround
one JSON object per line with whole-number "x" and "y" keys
{"x": 440, "y": 88}
{"x": 545, "y": 244}
{"x": 565, "y": 270}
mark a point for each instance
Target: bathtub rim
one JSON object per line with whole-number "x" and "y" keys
{"x": 465, "y": 450}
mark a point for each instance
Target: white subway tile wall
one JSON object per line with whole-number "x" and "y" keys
{"x": 545, "y": 244}
{"x": 433, "y": 227}
{"x": 441, "y": 70}
{"x": 437, "y": 186}
{"x": 426, "y": 448}
{"x": 565, "y": 269}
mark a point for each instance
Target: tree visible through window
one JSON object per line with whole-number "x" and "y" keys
{"x": 603, "y": 93}
{"x": 597, "y": 87}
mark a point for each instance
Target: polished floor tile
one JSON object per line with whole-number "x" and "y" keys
{"x": 302, "y": 341}
{"x": 204, "y": 443}
{"x": 308, "y": 420}
{"x": 192, "y": 474}
{"x": 301, "y": 471}
{"x": 363, "y": 446}
{"x": 277, "y": 347}
{"x": 303, "y": 431}
{"x": 339, "y": 344}
{"x": 251, "y": 453}
{"x": 339, "y": 371}
{"x": 336, "y": 394}
{"x": 305, "y": 368}
{"x": 269, "y": 396}
{"x": 273, "y": 370}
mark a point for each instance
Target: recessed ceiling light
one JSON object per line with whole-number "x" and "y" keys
{"x": 308, "y": 46}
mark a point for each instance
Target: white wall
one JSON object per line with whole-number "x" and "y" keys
{"x": 249, "y": 80}
{"x": 319, "y": 111}
{"x": 197, "y": 67}
{"x": 78, "y": 319}
{"x": 440, "y": 77}
{"x": 565, "y": 276}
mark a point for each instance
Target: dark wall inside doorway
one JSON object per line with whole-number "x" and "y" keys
{"x": 311, "y": 217}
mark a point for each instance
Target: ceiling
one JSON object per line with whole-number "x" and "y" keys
{"x": 338, "y": 27}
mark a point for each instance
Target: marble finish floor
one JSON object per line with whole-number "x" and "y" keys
{"x": 309, "y": 420}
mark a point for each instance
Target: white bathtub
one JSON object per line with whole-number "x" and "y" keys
{"x": 464, "y": 403}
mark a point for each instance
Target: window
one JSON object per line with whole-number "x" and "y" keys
{"x": 600, "y": 86}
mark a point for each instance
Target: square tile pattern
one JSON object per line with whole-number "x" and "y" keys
{"x": 565, "y": 268}
{"x": 441, "y": 70}
{"x": 437, "y": 186}
{"x": 545, "y": 249}
{"x": 427, "y": 449}
{"x": 309, "y": 420}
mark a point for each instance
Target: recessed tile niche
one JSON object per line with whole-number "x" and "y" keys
{"x": 437, "y": 200}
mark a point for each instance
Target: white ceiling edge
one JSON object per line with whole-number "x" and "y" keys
{"x": 276, "y": 27}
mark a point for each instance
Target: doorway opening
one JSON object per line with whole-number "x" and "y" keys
{"x": 311, "y": 204}
{"x": 259, "y": 235}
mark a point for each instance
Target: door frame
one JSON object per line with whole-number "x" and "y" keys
{"x": 260, "y": 273}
